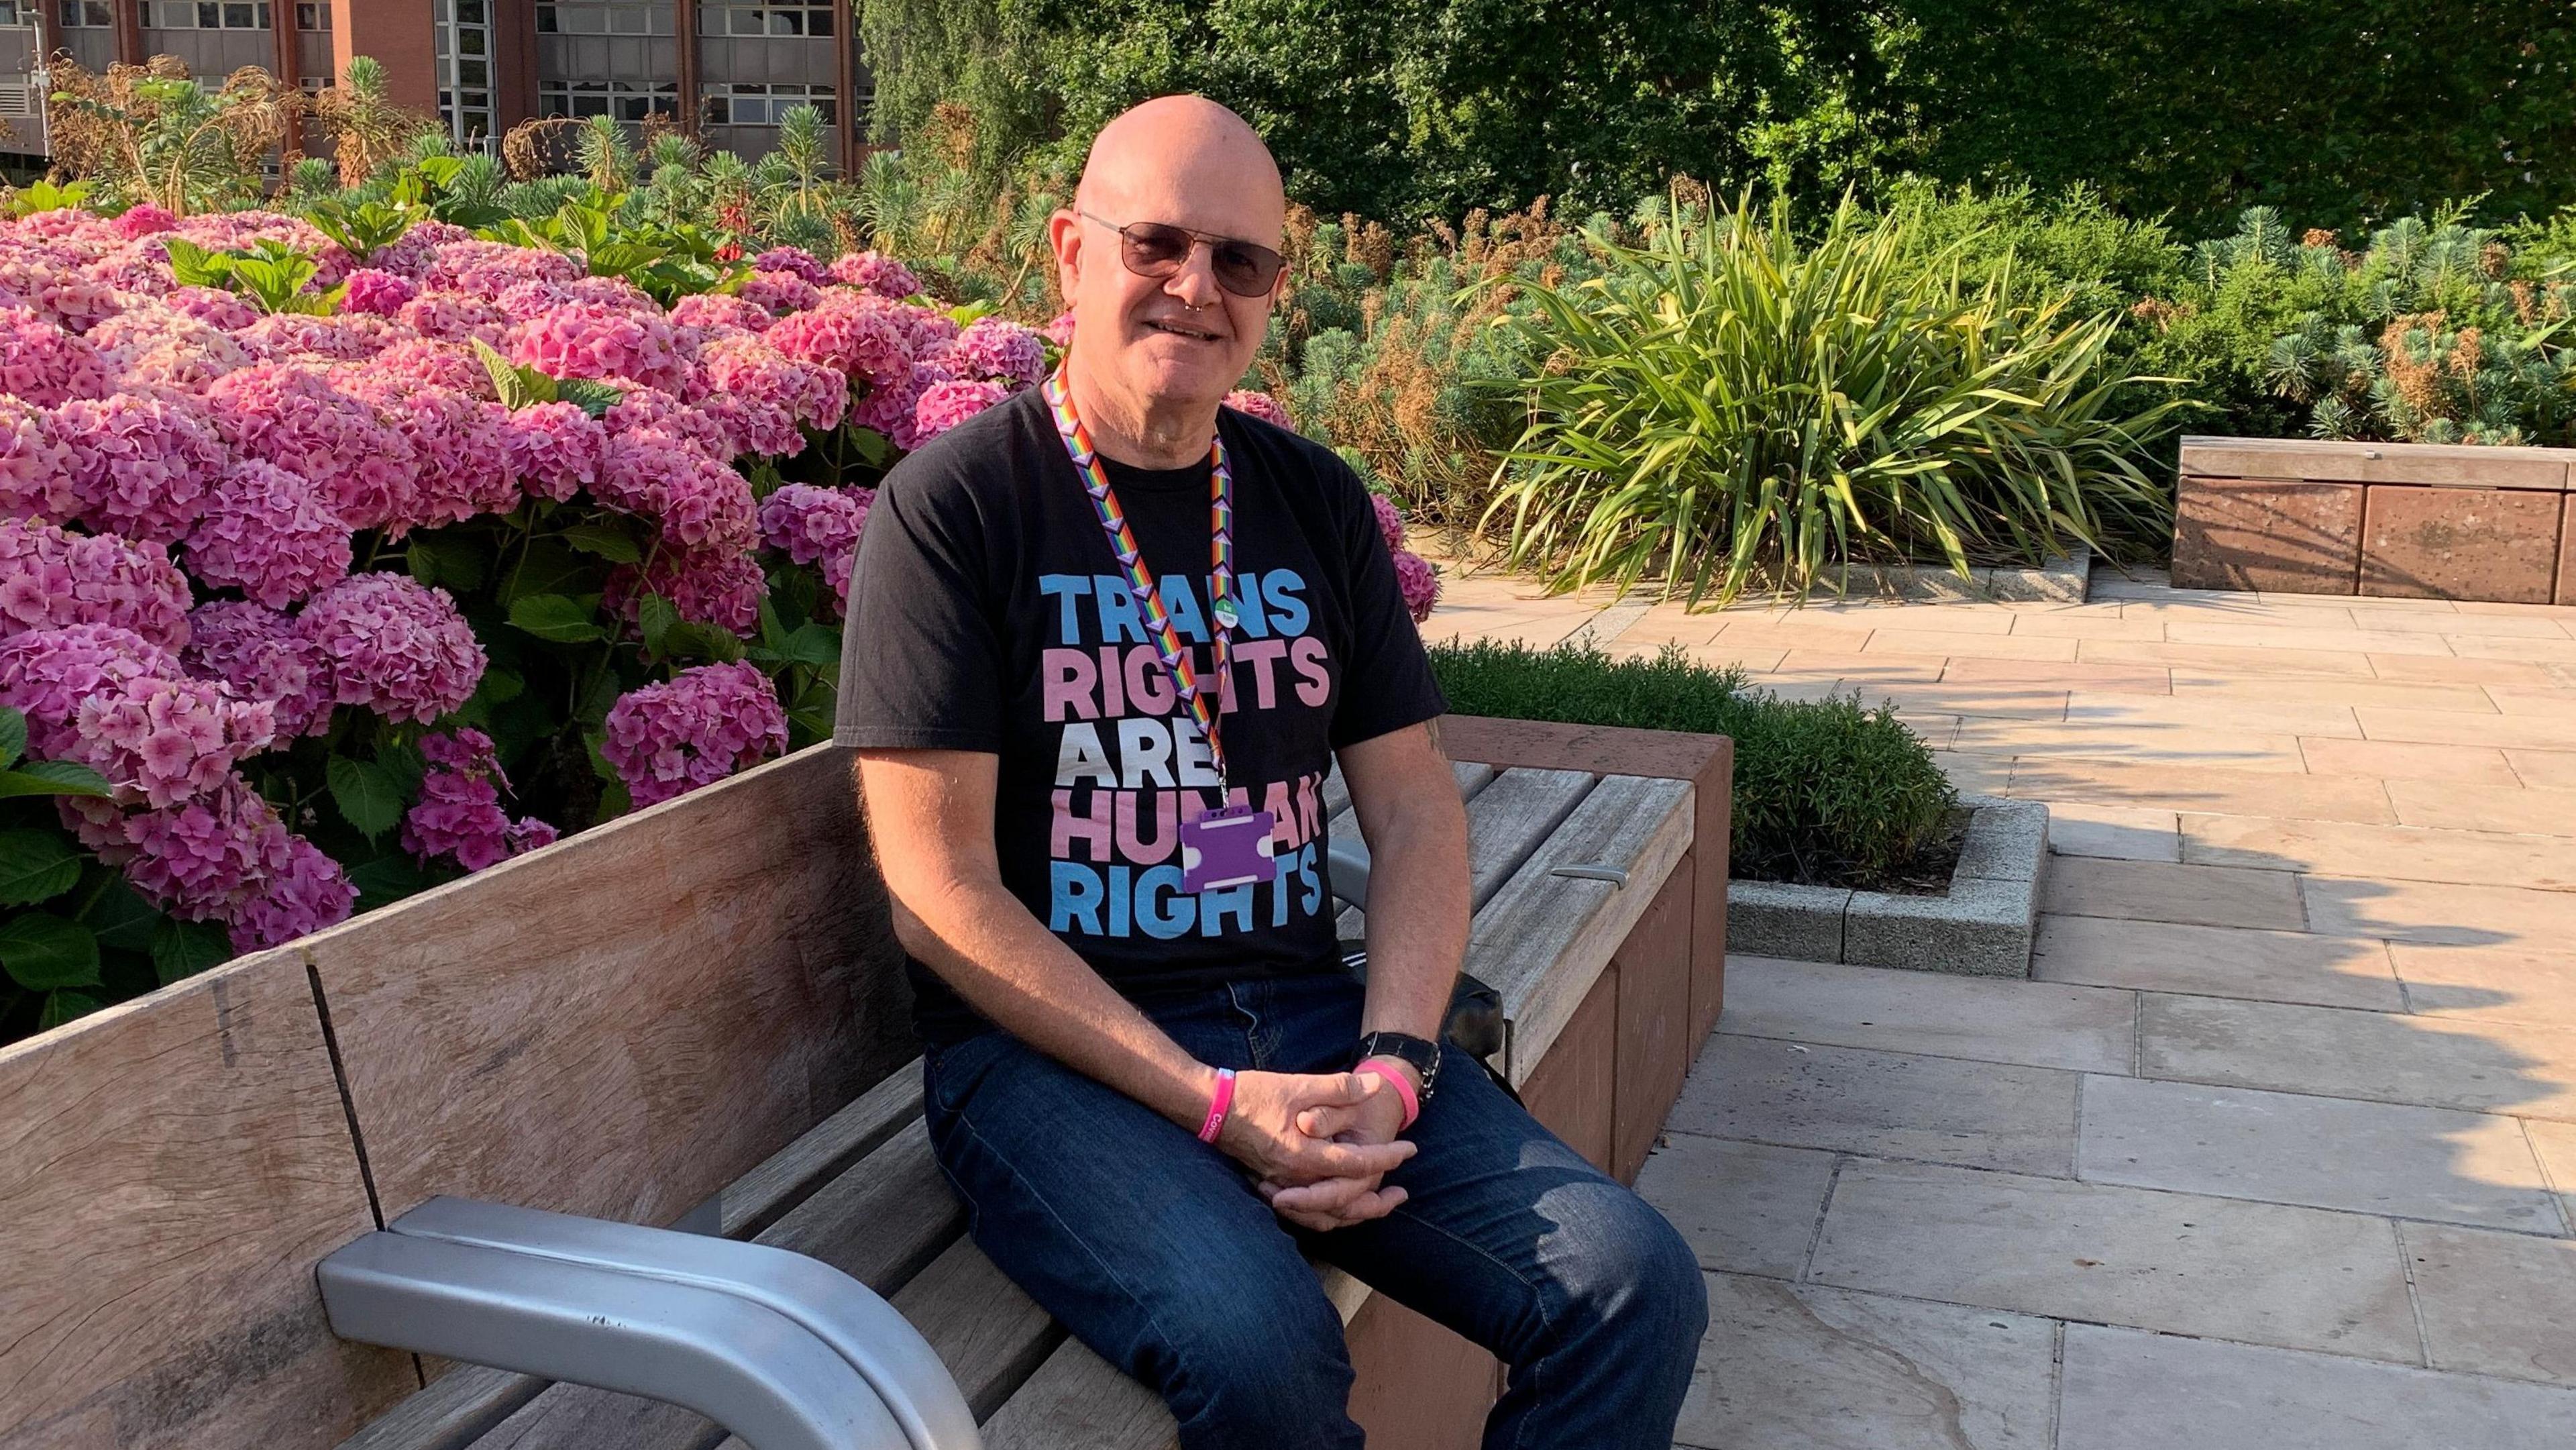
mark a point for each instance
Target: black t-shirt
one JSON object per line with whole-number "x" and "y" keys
{"x": 988, "y": 613}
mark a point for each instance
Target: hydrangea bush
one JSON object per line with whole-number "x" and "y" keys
{"x": 311, "y": 601}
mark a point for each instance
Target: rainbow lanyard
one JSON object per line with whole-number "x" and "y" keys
{"x": 1140, "y": 580}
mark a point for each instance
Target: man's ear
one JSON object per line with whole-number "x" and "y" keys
{"x": 1064, "y": 235}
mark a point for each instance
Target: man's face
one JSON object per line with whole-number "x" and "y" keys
{"x": 1181, "y": 338}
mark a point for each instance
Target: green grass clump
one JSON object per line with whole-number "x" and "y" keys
{"x": 1827, "y": 792}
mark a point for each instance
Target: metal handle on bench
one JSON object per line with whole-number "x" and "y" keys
{"x": 782, "y": 1350}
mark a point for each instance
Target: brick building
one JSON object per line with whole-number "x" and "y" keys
{"x": 726, "y": 68}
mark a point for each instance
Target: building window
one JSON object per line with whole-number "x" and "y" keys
{"x": 741, "y": 105}
{"x": 602, "y": 17}
{"x": 625, "y": 100}
{"x": 88, "y": 15}
{"x": 310, "y": 15}
{"x": 205, "y": 14}
{"x": 463, "y": 30}
{"x": 719, "y": 18}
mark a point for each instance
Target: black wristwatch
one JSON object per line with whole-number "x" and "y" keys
{"x": 1420, "y": 1054}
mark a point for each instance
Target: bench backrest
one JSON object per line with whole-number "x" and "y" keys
{"x": 616, "y": 1027}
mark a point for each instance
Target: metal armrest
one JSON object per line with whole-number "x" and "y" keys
{"x": 782, "y": 1350}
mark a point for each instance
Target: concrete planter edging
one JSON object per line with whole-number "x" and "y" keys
{"x": 1983, "y": 927}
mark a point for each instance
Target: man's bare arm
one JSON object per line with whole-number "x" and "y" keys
{"x": 931, "y": 813}
{"x": 1407, "y": 801}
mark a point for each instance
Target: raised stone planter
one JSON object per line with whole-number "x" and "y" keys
{"x": 1981, "y": 927}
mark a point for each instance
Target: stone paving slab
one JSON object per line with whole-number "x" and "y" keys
{"x": 2384, "y": 1158}
{"x": 2424, "y": 911}
{"x": 2159, "y": 891}
{"x": 2399, "y": 760}
{"x": 1884, "y": 1104}
{"x": 2083, "y": 1029}
{"x": 2507, "y": 808}
{"x": 2302, "y": 1278}
{"x": 2493, "y": 1067}
{"x": 1743, "y": 1207}
{"x": 2126, "y": 1390}
{"x": 2556, "y": 1145}
{"x": 2233, "y": 792}
{"x": 1796, "y": 1367}
{"x": 2536, "y": 985}
{"x": 2544, "y": 769}
{"x": 2217, "y": 961}
{"x": 2389, "y": 853}
{"x": 2495, "y": 1303}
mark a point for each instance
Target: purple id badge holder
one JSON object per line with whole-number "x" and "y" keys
{"x": 1223, "y": 848}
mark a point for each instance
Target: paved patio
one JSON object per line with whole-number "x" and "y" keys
{"x": 2278, "y": 1148}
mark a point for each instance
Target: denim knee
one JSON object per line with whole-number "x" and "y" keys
{"x": 1634, "y": 1285}
{"x": 1260, "y": 1370}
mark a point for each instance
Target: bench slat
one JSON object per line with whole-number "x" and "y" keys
{"x": 1544, "y": 938}
{"x": 459, "y": 1407}
{"x": 1510, "y": 813}
{"x": 759, "y": 1198}
{"x": 990, "y": 1334}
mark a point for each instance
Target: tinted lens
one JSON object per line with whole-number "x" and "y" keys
{"x": 1244, "y": 269}
{"x": 1155, "y": 250}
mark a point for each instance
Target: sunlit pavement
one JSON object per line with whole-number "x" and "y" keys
{"x": 2278, "y": 1147}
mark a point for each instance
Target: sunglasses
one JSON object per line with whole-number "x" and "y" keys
{"x": 1158, "y": 250}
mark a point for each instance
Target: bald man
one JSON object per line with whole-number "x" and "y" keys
{"x": 1105, "y": 640}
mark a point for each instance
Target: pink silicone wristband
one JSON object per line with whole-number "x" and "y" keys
{"x": 1403, "y": 1087}
{"x": 1218, "y": 1106}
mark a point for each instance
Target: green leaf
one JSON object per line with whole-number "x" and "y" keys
{"x": 691, "y": 640}
{"x": 594, "y": 706}
{"x": 13, "y": 736}
{"x": 548, "y": 567}
{"x": 388, "y": 879}
{"x": 62, "y": 1007}
{"x": 185, "y": 948}
{"x": 35, "y": 866}
{"x": 403, "y": 765}
{"x": 456, "y": 561}
{"x": 875, "y": 449}
{"x": 605, "y": 539}
{"x": 594, "y": 398}
{"x": 41, "y": 952}
{"x": 655, "y": 616}
{"x": 365, "y": 793}
{"x": 498, "y": 686}
{"x": 122, "y": 920}
{"x": 510, "y": 382}
{"x": 558, "y": 618}
{"x": 54, "y": 777}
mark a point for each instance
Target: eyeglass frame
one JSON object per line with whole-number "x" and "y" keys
{"x": 1198, "y": 239}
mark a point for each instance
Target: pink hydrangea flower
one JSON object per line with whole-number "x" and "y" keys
{"x": 304, "y": 894}
{"x": 772, "y": 391}
{"x": 297, "y": 336}
{"x": 151, "y": 347}
{"x": 793, "y": 259}
{"x": 425, "y": 362}
{"x": 380, "y": 292}
{"x": 555, "y": 449}
{"x": 780, "y": 292}
{"x": 53, "y": 285}
{"x": 998, "y": 350}
{"x": 263, "y": 655}
{"x": 932, "y": 332}
{"x": 269, "y": 533}
{"x": 883, "y": 276}
{"x": 650, "y": 410}
{"x": 35, "y": 466}
{"x": 1260, "y": 405}
{"x": 891, "y": 410}
{"x": 50, "y": 578}
{"x": 719, "y": 587}
{"x": 143, "y": 220}
{"x": 1059, "y": 330}
{"x": 527, "y": 299}
{"x": 46, "y": 673}
{"x": 1390, "y": 521}
{"x": 946, "y": 405}
{"x": 200, "y": 859}
{"x": 667, "y": 739}
{"x": 454, "y": 317}
{"x": 811, "y": 524}
{"x": 170, "y": 738}
{"x": 43, "y": 364}
{"x": 228, "y": 310}
{"x": 1421, "y": 585}
{"x": 460, "y": 444}
{"x": 715, "y": 309}
{"x": 701, "y": 504}
{"x": 862, "y": 336}
{"x": 291, "y": 416}
{"x": 459, "y": 813}
{"x": 142, "y": 467}
{"x": 395, "y": 646}
{"x": 588, "y": 340}
{"x": 614, "y": 292}
{"x": 487, "y": 269}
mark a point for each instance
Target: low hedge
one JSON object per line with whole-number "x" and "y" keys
{"x": 1827, "y": 792}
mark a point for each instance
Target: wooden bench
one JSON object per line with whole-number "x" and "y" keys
{"x": 693, "y": 1017}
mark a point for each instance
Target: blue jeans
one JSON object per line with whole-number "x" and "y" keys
{"x": 1154, "y": 1250}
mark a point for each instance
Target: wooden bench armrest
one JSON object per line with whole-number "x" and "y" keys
{"x": 785, "y": 1351}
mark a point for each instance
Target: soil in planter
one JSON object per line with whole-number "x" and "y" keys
{"x": 1928, "y": 874}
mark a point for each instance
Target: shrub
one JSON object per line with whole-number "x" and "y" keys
{"x": 1827, "y": 792}
{"x": 1728, "y": 406}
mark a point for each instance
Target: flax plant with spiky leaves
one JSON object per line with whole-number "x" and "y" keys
{"x": 1727, "y": 408}
{"x": 150, "y": 133}
{"x": 368, "y": 130}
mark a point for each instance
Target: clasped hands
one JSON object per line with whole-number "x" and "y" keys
{"x": 1319, "y": 1145}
